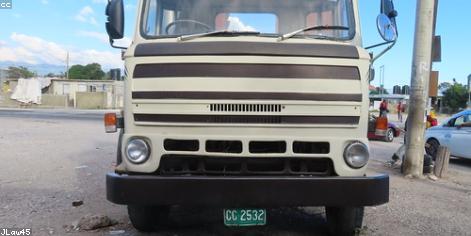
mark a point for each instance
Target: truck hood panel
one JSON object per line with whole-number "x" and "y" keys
{"x": 211, "y": 90}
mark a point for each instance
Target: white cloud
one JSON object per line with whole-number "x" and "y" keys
{"x": 103, "y": 37}
{"x": 236, "y": 24}
{"x": 35, "y": 50}
{"x": 86, "y": 15}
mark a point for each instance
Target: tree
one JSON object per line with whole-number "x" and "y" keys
{"x": 89, "y": 72}
{"x": 455, "y": 97}
{"x": 444, "y": 86}
{"x": 19, "y": 72}
{"x": 378, "y": 91}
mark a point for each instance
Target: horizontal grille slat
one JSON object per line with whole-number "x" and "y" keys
{"x": 245, "y": 107}
{"x": 247, "y": 48}
{"x": 247, "y": 119}
{"x": 207, "y": 95}
{"x": 253, "y": 71}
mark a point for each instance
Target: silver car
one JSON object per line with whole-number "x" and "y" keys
{"x": 454, "y": 133}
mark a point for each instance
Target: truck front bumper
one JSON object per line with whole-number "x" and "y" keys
{"x": 227, "y": 191}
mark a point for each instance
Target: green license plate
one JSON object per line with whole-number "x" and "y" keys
{"x": 245, "y": 217}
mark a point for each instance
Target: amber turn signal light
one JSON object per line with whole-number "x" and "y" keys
{"x": 111, "y": 122}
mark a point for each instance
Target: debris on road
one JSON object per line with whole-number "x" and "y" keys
{"x": 91, "y": 222}
{"x": 81, "y": 167}
{"x": 117, "y": 232}
{"x": 433, "y": 177}
{"x": 77, "y": 203}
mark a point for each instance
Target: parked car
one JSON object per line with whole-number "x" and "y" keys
{"x": 454, "y": 133}
{"x": 390, "y": 133}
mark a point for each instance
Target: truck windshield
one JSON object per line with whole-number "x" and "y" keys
{"x": 173, "y": 18}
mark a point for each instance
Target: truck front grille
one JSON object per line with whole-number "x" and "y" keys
{"x": 178, "y": 165}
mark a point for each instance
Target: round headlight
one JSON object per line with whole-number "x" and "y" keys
{"x": 356, "y": 155}
{"x": 137, "y": 151}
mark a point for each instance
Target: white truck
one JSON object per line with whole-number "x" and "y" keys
{"x": 246, "y": 105}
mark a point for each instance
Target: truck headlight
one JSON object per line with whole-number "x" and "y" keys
{"x": 356, "y": 155}
{"x": 137, "y": 151}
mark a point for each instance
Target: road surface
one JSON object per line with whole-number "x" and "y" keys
{"x": 50, "y": 158}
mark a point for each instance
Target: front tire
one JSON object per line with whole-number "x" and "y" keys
{"x": 344, "y": 221}
{"x": 148, "y": 218}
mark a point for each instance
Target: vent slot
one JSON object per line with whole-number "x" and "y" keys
{"x": 181, "y": 145}
{"x": 224, "y": 146}
{"x": 261, "y": 165}
{"x": 311, "y": 147}
{"x": 245, "y": 107}
{"x": 259, "y": 147}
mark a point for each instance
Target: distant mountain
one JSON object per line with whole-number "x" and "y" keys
{"x": 40, "y": 69}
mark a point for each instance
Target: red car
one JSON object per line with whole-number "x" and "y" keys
{"x": 377, "y": 130}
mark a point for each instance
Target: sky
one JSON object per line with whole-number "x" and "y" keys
{"x": 43, "y": 31}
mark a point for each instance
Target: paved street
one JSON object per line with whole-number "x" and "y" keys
{"x": 51, "y": 158}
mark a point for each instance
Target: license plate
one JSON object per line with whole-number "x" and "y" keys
{"x": 245, "y": 217}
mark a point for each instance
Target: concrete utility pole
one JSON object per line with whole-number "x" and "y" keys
{"x": 413, "y": 165}
{"x": 68, "y": 59}
{"x": 381, "y": 80}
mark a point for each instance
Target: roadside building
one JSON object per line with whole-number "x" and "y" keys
{"x": 81, "y": 94}
{"x": 98, "y": 94}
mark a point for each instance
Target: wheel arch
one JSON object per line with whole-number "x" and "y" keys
{"x": 433, "y": 138}
{"x": 395, "y": 130}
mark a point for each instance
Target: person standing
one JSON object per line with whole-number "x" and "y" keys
{"x": 383, "y": 108}
{"x": 399, "y": 111}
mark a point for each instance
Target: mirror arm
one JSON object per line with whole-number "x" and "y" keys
{"x": 384, "y": 51}
{"x": 114, "y": 46}
{"x": 377, "y": 45}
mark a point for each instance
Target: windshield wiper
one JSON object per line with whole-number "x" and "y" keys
{"x": 215, "y": 33}
{"x": 317, "y": 27}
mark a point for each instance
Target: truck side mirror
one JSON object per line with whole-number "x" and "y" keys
{"x": 386, "y": 28}
{"x": 386, "y": 21}
{"x": 115, "y": 24}
{"x": 387, "y": 8}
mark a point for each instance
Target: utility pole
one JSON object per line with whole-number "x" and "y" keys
{"x": 413, "y": 165}
{"x": 67, "y": 71}
{"x": 381, "y": 79}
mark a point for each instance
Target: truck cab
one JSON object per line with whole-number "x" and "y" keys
{"x": 245, "y": 105}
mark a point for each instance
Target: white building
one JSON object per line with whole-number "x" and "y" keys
{"x": 114, "y": 90}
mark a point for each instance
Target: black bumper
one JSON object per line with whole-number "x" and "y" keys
{"x": 247, "y": 191}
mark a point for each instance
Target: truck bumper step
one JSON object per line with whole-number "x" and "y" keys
{"x": 230, "y": 191}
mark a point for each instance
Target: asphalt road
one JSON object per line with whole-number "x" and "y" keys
{"x": 51, "y": 114}
{"x": 50, "y": 158}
